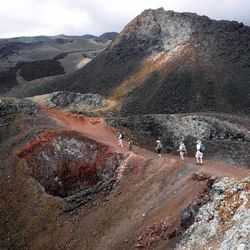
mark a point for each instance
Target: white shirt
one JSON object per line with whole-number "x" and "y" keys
{"x": 182, "y": 148}
{"x": 198, "y": 146}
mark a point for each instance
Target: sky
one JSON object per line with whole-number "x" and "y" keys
{"x": 79, "y": 17}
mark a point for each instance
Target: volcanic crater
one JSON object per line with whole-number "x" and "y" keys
{"x": 65, "y": 162}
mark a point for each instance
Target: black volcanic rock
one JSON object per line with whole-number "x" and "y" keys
{"x": 13, "y": 106}
{"x": 76, "y": 100}
{"x": 38, "y": 69}
{"x": 193, "y": 64}
{"x": 12, "y": 112}
{"x": 226, "y": 136}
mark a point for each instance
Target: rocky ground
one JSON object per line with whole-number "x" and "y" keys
{"x": 65, "y": 184}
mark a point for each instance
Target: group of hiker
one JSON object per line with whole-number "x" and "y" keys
{"x": 120, "y": 137}
{"x": 200, "y": 148}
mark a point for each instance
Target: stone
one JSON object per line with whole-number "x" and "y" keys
{"x": 241, "y": 247}
{"x": 77, "y": 101}
{"x": 210, "y": 218}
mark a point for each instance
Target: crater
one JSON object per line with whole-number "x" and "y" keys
{"x": 66, "y": 162}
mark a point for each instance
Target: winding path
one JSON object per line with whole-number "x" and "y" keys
{"x": 98, "y": 130}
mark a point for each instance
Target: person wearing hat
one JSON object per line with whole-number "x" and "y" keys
{"x": 182, "y": 150}
{"x": 119, "y": 137}
{"x": 199, "y": 152}
{"x": 159, "y": 147}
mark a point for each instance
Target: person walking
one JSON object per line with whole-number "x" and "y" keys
{"x": 182, "y": 150}
{"x": 130, "y": 144}
{"x": 119, "y": 137}
{"x": 200, "y": 149}
{"x": 159, "y": 147}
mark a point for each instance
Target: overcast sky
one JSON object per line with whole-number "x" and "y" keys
{"x": 79, "y": 17}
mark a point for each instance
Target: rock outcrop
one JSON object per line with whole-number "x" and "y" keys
{"x": 9, "y": 106}
{"x": 76, "y": 101}
{"x": 222, "y": 223}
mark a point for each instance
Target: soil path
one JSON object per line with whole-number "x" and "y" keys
{"x": 96, "y": 129}
{"x": 143, "y": 210}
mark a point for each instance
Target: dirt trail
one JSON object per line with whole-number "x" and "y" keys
{"x": 94, "y": 128}
{"x": 143, "y": 209}
{"x": 97, "y": 129}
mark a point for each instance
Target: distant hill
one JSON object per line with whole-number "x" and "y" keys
{"x": 24, "y": 59}
{"x": 108, "y": 36}
{"x": 102, "y": 38}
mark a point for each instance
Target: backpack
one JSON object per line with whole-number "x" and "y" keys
{"x": 183, "y": 149}
{"x": 120, "y": 136}
{"x": 160, "y": 146}
{"x": 202, "y": 148}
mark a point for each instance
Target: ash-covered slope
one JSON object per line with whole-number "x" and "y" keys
{"x": 168, "y": 62}
{"x": 23, "y": 59}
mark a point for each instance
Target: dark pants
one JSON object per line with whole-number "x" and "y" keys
{"x": 159, "y": 150}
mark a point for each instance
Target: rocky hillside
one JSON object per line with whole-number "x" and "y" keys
{"x": 65, "y": 184}
{"x": 24, "y": 59}
{"x": 226, "y": 136}
{"x": 169, "y": 62}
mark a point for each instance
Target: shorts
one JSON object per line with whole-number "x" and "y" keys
{"x": 199, "y": 155}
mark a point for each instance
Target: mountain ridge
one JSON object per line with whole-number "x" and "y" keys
{"x": 44, "y": 38}
{"x": 180, "y": 62}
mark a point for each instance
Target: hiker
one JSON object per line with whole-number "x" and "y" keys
{"x": 200, "y": 149}
{"x": 159, "y": 147}
{"x": 130, "y": 144}
{"x": 182, "y": 150}
{"x": 119, "y": 137}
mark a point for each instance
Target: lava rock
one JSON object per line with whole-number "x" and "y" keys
{"x": 226, "y": 137}
{"x": 77, "y": 101}
{"x": 225, "y": 214}
{"x": 10, "y": 106}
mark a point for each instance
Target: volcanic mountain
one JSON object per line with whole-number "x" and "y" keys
{"x": 168, "y": 62}
{"x": 66, "y": 184}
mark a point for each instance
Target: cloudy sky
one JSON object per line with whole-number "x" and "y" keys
{"x": 78, "y": 17}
